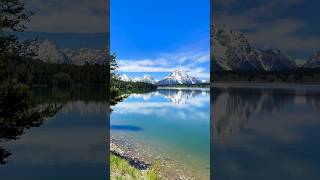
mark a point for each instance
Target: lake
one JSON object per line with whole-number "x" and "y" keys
{"x": 69, "y": 145}
{"x": 168, "y": 125}
{"x": 265, "y": 131}
{"x": 259, "y": 131}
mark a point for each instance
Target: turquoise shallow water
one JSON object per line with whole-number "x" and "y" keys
{"x": 172, "y": 122}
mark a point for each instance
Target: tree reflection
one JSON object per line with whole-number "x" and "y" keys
{"x": 18, "y": 111}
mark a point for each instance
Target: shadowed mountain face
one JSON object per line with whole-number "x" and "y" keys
{"x": 49, "y": 52}
{"x": 313, "y": 61}
{"x": 232, "y": 51}
{"x": 264, "y": 35}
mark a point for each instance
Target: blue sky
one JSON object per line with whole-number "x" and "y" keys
{"x": 156, "y": 37}
{"x": 288, "y": 25}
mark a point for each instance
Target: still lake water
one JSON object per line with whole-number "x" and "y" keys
{"x": 170, "y": 123}
{"x": 265, "y": 132}
{"x": 70, "y": 145}
{"x": 257, "y": 133}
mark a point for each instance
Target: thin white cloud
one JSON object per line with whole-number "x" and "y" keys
{"x": 187, "y": 58}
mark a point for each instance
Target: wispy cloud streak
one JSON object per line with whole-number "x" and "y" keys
{"x": 192, "y": 59}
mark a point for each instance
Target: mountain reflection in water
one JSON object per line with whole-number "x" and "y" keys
{"x": 176, "y": 96}
{"x": 265, "y": 133}
{"x": 175, "y": 129}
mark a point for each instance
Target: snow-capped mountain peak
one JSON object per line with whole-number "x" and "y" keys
{"x": 145, "y": 78}
{"x": 179, "y": 76}
{"x": 125, "y": 78}
{"x": 176, "y": 77}
{"x": 313, "y": 61}
{"x": 49, "y": 52}
{"x": 179, "y": 72}
{"x": 232, "y": 51}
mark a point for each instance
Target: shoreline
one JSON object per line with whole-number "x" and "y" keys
{"x": 143, "y": 160}
{"x": 132, "y": 160}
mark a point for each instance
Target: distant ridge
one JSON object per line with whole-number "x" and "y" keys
{"x": 49, "y": 52}
{"x": 145, "y": 78}
{"x": 177, "y": 77}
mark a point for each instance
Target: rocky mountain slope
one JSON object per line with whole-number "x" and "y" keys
{"x": 175, "y": 78}
{"x": 179, "y": 77}
{"x": 49, "y": 52}
{"x": 232, "y": 51}
{"x": 145, "y": 78}
{"x": 313, "y": 61}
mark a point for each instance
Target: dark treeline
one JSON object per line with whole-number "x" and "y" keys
{"x": 134, "y": 87}
{"x": 119, "y": 89}
{"x": 299, "y": 75}
{"x": 63, "y": 94}
{"x": 36, "y": 72}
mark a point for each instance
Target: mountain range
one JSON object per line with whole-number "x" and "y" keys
{"x": 49, "y": 52}
{"x": 177, "y": 77}
{"x": 145, "y": 78}
{"x": 232, "y": 51}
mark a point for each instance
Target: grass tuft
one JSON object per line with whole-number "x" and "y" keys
{"x": 122, "y": 170}
{"x": 154, "y": 171}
